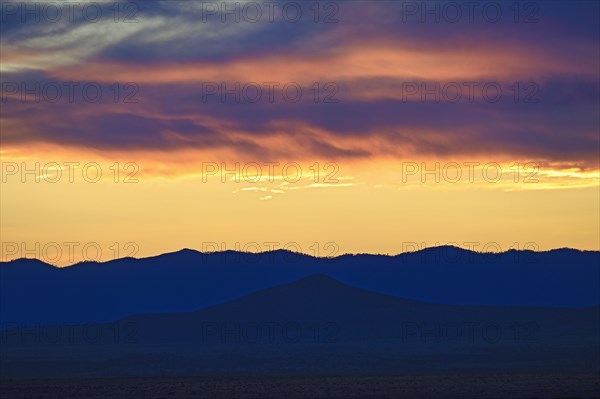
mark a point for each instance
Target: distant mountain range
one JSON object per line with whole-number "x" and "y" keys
{"x": 35, "y": 293}
{"x": 314, "y": 325}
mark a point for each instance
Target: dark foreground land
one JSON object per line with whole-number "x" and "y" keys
{"x": 397, "y": 386}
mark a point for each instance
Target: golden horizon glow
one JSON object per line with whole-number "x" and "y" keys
{"x": 360, "y": 207}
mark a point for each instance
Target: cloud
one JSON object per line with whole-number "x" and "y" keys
{"x": 370, "y": 55}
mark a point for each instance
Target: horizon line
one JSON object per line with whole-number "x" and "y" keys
{"x": 454, "y": 247}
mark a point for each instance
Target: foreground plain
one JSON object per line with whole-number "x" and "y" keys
{"x": 392, "y": 386}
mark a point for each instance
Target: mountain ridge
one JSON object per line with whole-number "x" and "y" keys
{"x": 314, "y": 324}
{"x": 190, "y": 251}
{"x": 189, "y": 280}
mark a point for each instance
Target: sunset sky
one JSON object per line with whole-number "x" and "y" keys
{"x": 329, "y": 128}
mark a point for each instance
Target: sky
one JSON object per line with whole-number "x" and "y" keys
{"x": 138, "y": 128}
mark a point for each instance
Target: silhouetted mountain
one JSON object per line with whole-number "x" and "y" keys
{"x": 29, "y": 263}
{"x": 32, "y": 292}
{"x": 316, "y": 324}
